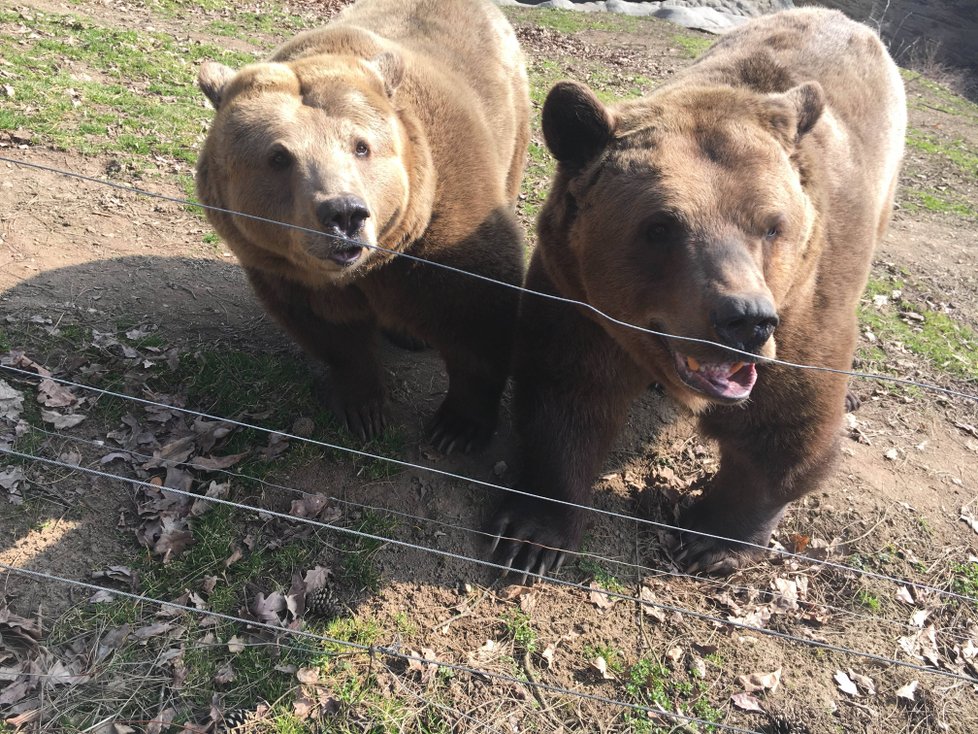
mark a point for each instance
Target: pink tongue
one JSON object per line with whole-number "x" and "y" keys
{"x": 722, "y": 381}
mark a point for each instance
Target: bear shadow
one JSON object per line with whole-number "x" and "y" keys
{"x": 202, "y": 303}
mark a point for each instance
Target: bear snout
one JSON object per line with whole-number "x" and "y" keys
{"x": 745, "y": 322}
{"x": 343, "y": 215}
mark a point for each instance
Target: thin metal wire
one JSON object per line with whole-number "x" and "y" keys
{"x": 441, "y": 472}
{"x": 379, "y": 649}
{"x": 840, "y": 611}
{"x": 549, "y": 296}
{"x": 489, "y": 564}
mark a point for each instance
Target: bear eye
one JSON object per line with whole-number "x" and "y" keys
{"x": 775, "y": 228}
{"x": 660, "y": 228}
{"x": 362, "y": 149}
{"x": 280, "y": 159}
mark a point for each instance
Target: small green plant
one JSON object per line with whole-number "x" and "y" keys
{"x": 611, "y": 656}
{"x": 519, "y": 627}
{"x": 652, "y": 684}
{"x": 869, "y": 600}
{"x": 965, "y": 579}
{"x": 594, "y": 570}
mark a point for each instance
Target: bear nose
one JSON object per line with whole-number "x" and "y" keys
{"x": 343, "y": 214}
{"x": 745, "y": 323}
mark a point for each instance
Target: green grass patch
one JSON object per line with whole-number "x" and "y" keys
{"x": 939, "y": 202}
{"x": 936, "y": 94}
{"x": 519, "y": 628}
{"x": 570, "y": 21}
{"x": 598, "y": 573}
{"x": 692, "y": 46}
{"x": 955, "y": 151}
{"x": 101, "y": 90}
{"x": 358, "y": 567}
{"x": 869, "y": 600}
{"x": 652, "y": 684}
{"x": 965, "y": 580}
{"x": 947, "y": 345}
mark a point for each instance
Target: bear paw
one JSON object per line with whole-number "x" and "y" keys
{"x": 451, "y": 428}
{"x": 366, "y": 420}
{"x": 713, "y": 548}
{"x": 534, "y": 537}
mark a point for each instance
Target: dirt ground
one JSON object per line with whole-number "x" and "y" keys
{"x": 82, "y": 258}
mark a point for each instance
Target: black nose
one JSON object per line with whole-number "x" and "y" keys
{"x": 745, "y": 322}
{"x": 343, "y": 214}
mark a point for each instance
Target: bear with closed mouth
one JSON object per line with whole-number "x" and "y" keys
{"x": 731, "y": 216}
{"x": 385, "y": 133}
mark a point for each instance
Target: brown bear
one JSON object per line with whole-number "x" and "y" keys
{"x": 402, "y": 124}
{"x": 736, "y": 207}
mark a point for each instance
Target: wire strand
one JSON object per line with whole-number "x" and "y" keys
{"x": 489, "y": 564}
{"x": 375, "y": 649}
{"x": 586, "y": 555}
{"x": 510, "y": 490}
{"x": 549, "y": 296}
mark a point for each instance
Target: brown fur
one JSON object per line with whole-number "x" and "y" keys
{"x": 757, "y": 184}
{"x": 425, "y": 130}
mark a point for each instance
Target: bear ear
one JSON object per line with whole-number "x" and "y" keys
{"x": 804, "y": 105}
{"x": 212, "y": 79}
{"x": 576, "y": 125}
{"x": 390, "y": 66}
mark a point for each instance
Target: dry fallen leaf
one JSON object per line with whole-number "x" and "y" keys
{"x": 908, "y": 691}
{"x": 601, "y": 665}
{"x": 760, "y": 681}
{"x": 316, "y": 578}
{"x": 224, "y": 675}
{"x": 746, "y": 702}
{"x": 235, "y": 644}
{"x": 969, "y": 517}
{"x": 60, "y": 421}
{"x": 864, "y": 682}
{"x": 845, "y": 684}
{"x": 52, "y": 395}
{"x": 11, "y": 402}
{"x": 600, "y": 598}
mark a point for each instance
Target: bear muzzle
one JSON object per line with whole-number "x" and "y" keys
{"x": 342, "y": 219}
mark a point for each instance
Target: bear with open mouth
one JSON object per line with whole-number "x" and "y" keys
{"x": 731, "y": 215}
{"x": 400, "y": 128}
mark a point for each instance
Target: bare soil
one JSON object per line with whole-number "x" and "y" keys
{"x": 83, "y": 255}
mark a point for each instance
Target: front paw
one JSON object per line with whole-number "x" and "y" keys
{"x": 366, "y": 420}
{"x": 453, "y": 427}
{"x": 721, "y": 541}
{"x": 534, "y": 536}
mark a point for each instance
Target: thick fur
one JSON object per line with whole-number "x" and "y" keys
{"x": 763, "y": 174}
{"x": 427, "y": 127}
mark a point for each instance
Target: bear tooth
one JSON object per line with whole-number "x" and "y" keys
{"x": 693, "y": 364}
{"x": 735, "y": 367}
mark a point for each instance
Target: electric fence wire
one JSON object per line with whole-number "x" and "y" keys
{"x": 489, "y": 564}
{"x": 374, "y": 650}
{"x": 490, "y": 485}
{"x": 587, "y": 555}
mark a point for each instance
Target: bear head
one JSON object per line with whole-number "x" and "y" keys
{"x": 689, "y": 213}
{"x": 319, "y": 143}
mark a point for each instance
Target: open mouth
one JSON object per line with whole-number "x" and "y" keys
{"x": 345, "y": 254}
{"x": 726, "y": 381}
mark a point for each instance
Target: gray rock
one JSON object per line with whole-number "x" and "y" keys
{"x": 713, "y": 16}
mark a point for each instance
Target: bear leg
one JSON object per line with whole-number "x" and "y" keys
{"x": 573, "y": 385}
{"x": 764, "y": 465}
{"x": 356, "y": 393}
